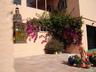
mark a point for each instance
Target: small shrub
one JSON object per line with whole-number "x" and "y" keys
{"x": 54, "y": 46}
{"x": 78, "y": 61}
{"x": 50, "y": 50}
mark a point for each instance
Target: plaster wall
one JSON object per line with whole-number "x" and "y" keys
{"x": 6, "y": 45}
{"x": 88, "y": 10}
{"x": 29, "y": 48}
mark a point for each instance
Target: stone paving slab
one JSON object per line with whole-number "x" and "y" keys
{"x": 47, "y": 63}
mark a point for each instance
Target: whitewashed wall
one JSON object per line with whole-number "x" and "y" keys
{"x": 29, "y": 48}
{"x": 88, "y": 10}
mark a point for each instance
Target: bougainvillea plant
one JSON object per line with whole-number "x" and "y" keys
{"x": 45, "y": 40}
{"x": 32, "y": 30}
{"x": 73, "y": 33}
{"x": 64, "y": 27}
{"x": 61, "y": 27}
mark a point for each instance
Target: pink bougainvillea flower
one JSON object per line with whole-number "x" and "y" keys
{"x": 32, "y": 31}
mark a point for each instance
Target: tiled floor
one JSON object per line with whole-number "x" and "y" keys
{"x": 47, "y": 63}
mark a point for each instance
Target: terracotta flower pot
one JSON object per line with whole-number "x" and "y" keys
{"x": 83, "y": 65}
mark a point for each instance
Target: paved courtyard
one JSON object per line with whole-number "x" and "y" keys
{"x": 47, "y": 63}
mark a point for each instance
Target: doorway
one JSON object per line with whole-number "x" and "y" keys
{"x": 91, "y": 37}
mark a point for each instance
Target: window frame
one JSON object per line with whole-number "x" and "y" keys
{"x": 37, "y": 4}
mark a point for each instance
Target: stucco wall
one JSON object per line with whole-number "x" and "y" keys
{"x": 73, "y": 8}
{"x": 88, "y": 10}
{"x": 6, "y": 45}
{"x": 30, "y": 48}
{"x": 28, "y": 12}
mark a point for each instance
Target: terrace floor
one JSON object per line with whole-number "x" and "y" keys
{"x": 47, "y": 63}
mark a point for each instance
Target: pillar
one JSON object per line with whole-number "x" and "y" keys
{"x": 6, "y": 44}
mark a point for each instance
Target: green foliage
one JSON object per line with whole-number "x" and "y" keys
{"x": 78, "y": 61}
{"x": 74, "y": 60}
{"x": 54, "y": 46}
{"x": 63, "y": 27}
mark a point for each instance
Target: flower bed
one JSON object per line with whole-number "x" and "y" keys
{"x": 83, "y": 61}
{"x": 78, "y": 62}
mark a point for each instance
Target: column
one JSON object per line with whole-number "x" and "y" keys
{"x": 6, "y": 45}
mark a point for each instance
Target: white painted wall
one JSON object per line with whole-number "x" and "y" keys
{"x": 6, "y": 45}
{"x": 28, "y": 12}
{"x": 88, "y": 10}
{"x": 73, "y": 8}
{"x": 29, "y": 49}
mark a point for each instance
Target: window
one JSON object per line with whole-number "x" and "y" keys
{"x": 40, "y": 4}
{"x": 62, "y": 5}
{"x": 31, "y": 3}
{"x": 48, "y": 4}
{"x": 17, "y": 2}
